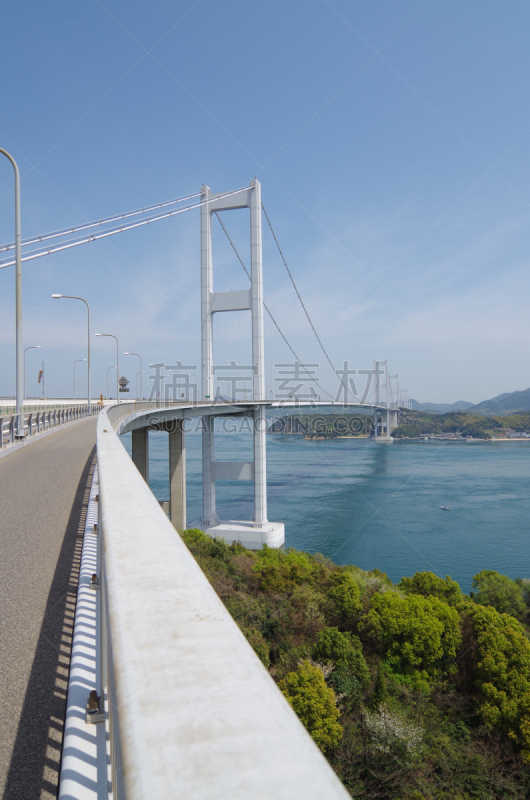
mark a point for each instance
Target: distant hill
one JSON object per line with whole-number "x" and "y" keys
{"x": 441, "y": 408}
{"x": 503, "y": 404}
{"x": 500, "y": 406}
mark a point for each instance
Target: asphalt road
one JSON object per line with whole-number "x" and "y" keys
{"x": 43, "y": 499}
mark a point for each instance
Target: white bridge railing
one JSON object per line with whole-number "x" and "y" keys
{"x": 40, "y": 421}
{"x": 189, "y": 709}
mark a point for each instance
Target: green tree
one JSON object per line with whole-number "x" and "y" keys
{"x": 346, "y": 595}
{"x": 430, "y": 585}
{"x": 314, "y": 703}
{"x": 502, "y": 664}
{"x": 492, "y": 589}
{"x": 415, "y": 635}
{"x": 344, "y": 651}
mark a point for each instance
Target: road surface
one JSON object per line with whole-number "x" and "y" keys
{"x": 43, "y": 497}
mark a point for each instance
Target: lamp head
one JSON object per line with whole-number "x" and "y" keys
{"x": 38, "y": 346}
{"x": 56, "y": 296}
{"x": 97, "y": 334}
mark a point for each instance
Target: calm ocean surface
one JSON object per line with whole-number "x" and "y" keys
{"x": 378, "y": 505}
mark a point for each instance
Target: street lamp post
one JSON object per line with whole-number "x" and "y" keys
{"x": 74, "y": 297}
{"x": 19, "y": 382}
{"x": 140, "y": 357}
{"x": 140, "y": 374}
{"x": 117, "y": 363}
{"x": 75, "y": 362}
{"x": 33, "y": 347}
{"x": 109, "y": 368}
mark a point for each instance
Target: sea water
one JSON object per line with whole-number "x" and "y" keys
{"x": 378, "y": 505}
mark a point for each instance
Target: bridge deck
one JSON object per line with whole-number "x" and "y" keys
{"x": 43, "y": 492}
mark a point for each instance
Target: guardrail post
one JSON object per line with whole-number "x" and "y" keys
{"x": 55, "y": 418}
{"x": 1, "y": 432}
{"x": 30, "y": 425}
{"x": 13, "y": 428}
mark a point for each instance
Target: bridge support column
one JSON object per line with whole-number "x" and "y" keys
{"x": 260, "y": 468}
{"x": 140, "y": 452}
{"x": 209, "y": 516}
{"x": 177, "y": 477}
{"x": 385, "y": 427}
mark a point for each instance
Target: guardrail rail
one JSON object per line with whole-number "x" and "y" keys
{"x": 36, "y": 422}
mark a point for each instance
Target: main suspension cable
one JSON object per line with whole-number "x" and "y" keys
{"x": 92, "y": 237}
{"x": 86, "y": 225}
{"x": 267, "y": 309}
{"x": 301, "y": 301}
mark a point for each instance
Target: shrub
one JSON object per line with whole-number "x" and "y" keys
{"x": 314, "y": 703}
{"x": 380, "y": 693}
{"x": 259, "y": 645}
{"x": 392, "y": 735}
{"x": 193, "y": 535}
{"x": 281, "y": 571}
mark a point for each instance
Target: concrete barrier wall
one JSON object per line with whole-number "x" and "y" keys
{"x": 198, "y": 714}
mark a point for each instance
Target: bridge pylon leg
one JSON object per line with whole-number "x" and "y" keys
{"x": 140, "y": 452}
{"x": 260, "y": 468}
{"x": 177, "y": 476}
{"x": 209, "y": 515}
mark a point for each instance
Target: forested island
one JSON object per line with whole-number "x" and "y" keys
{"x": 414, "y": 691}
{"x": 420, "y": 423}
{"x": 412, "y": 425}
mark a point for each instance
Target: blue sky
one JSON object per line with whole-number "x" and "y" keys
{"x": 391, "y": 141}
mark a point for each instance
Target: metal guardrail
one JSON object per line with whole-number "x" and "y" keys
{"x": 40, "y": 421}
{"x": 189, "y": 709}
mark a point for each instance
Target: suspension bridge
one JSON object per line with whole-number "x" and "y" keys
{"x": 163, "y": 696}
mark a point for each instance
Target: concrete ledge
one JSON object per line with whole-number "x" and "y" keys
{"x": 195, "y": 713}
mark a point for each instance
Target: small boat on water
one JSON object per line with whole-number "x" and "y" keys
{"x": 445, "y": 508}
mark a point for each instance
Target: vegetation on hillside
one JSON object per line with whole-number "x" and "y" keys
{"x": 413, "y": 691}
{"x": 420, "y": 423}
{"x": 411, "y": 424}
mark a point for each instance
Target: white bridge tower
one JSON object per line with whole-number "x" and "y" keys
{"x": 258, "y": 531}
